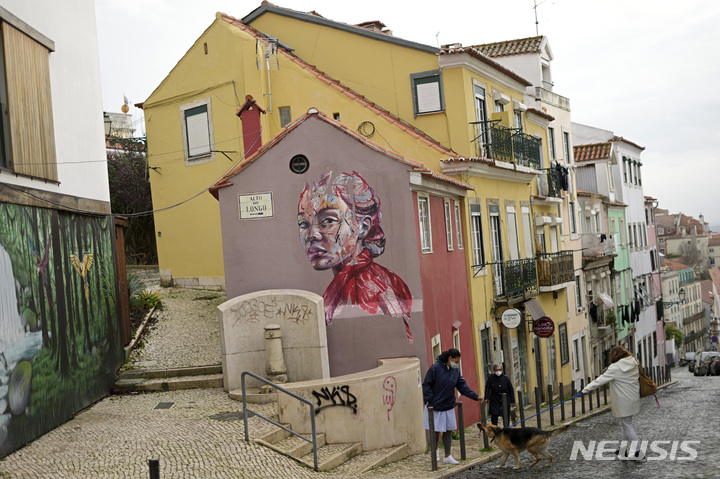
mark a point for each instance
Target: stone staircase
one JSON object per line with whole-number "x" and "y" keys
{"x": 169, "y": 379}
{"x": 347, "y": 458}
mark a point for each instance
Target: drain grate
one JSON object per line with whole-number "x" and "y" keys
{"x": 164, "y": 405}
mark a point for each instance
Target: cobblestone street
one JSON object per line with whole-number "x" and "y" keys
{"x": 689, "y": 411}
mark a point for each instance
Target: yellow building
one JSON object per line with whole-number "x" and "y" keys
{"x": 455, "y": 109}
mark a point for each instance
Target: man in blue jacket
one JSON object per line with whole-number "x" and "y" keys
{"x": 439, "y": 386}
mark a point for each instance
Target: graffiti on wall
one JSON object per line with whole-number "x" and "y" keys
{"x": 339, "y": 227}
{"x": 59, "y": 327}
{"x": 338, "y": 396}
{"x": 252, "y": 311}
{"x": 390, "y": 387}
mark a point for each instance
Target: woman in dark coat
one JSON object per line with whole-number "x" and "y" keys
{"x": 496, "y": 385}
{"x": 439, "y": 386}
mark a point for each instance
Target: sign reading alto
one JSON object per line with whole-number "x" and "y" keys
{"x": 543, "y": 327}
{"x": 255, "y": 205}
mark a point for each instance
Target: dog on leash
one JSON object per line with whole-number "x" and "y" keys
{"x": 515, "y": 441}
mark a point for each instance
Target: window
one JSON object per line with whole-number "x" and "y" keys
{"x": 458, "y": 226}
{"x": 27, "y": 137}
{"x": 427, "y": 92}
{"x": 624, "y": 160}
{"x": 436, "y": 346}
{"x": 477, "y": 239}
{"x": 518, "y": 120}
{"x": 652, "y": 260}
{"x": 512, "y": 233}
{"x": 566, "y": 145}
{"x": 481, "y": 114}
{"x": 540, "y": 239}
{"x": 576, "y": 354}
{"x": 573, "y": 225}
{"x": 564, "y": 353}
{"x": 551, "y": 142}
{"x": 578, "y": 292}
{"x": 499, "y": 106}
{"x": 286, "y": 116}
{"x": 661, "y": 231}
{"x": 424, "y": 215}
{"x": 527, "y": 232}
{"x": 197, "y": 130}
{"x": 448, "y": 225}
{"x": 662, "y": 240}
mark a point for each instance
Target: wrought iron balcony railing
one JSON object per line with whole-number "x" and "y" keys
{"x": 695, "y": 335}
{"x": 555, "y": 268}
{"x": 497, "y": 142}
{"x": 515, "y": 279}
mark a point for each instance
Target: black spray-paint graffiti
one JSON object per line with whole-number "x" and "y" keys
{"x": 256, "y": 309}
{"x": 340, "y": 396}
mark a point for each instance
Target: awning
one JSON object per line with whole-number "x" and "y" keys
{"x": 533, "y": 306}
{"x": 607, "y": 300}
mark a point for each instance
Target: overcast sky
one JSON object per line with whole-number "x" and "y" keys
{"x": 645, "y": 69}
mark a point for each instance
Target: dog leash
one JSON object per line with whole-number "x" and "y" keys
{"x": 544, "y": 410}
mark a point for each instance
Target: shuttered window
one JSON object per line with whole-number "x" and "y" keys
{"x": 198, "y": 131}
{"x": 427, "y": 92}
{"x": 28, "y": 136}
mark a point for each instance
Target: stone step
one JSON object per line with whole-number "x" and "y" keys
{"x": 369, "y": 460}
{"x": 169, "y": 384}
{"x": 331, "y": 456}
{"x": 254, "y": 395}
{"x": 170, "y": 372}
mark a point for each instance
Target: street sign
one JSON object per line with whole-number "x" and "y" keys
{"x": 511, "y": 318}
{"x": 543, "y": 327}
{"x": 714, "y": 339}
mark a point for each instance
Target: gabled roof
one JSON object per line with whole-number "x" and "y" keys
{"x": 511, "y": 47}
{"x": 596, "y": 151}
{"x": 316, "y": 18}
{"x": 674, "y": 265}
{"x": 250, "y": 102}
{"x": 347, "y": 91}
{"x": 620, "y": 138}
{"x": 415, "y": 165}
{"x": 473, "y": 52}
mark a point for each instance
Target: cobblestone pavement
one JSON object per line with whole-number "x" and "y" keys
{"x": 688, "y": 412}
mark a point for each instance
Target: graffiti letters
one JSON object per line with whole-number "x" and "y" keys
{"x": 390, "y": 386}
{"x": 256, "y": 309}
{"x": 339, "y": 396}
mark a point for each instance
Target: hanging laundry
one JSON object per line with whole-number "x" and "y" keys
{"x": 592, "y": 310}
{"x": 603, "y": 237}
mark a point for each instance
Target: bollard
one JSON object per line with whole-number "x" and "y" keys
{"x": 461, "y": 420}
{"x": 605, "y": 388}
{"x": 537, "y": 405}
{"x": 598, "y": 397}
{"x": 572, "y": 395}
{"x": 657, "y": 375}
{"x": 483, "y": 418}
{"x": 154, "y": 465}
{"x": 505, "y": 411}
{"x": 521, "y": 407}
{"x": 669, "y": 375}
{"x": 562, "y": 403}
{"x": 589, "y": 395}
{"x": 582, "y": 398}
{"x": 433, "y": 446}
{"x": 550, "y": 403}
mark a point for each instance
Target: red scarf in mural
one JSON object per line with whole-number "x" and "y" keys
{"x": 372, "y": 287}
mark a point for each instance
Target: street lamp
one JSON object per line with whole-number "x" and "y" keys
{"x": 670, "y": 304}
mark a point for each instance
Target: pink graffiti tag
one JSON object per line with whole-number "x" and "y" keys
{"x": 389, "y": 385}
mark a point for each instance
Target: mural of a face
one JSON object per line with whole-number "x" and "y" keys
{"x": 331, "y": 233}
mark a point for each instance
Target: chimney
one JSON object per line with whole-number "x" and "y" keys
{"x": 249, "y": 115}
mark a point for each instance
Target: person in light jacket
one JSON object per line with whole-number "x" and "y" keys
{"x": 439, "y": 386}
{"x": 623, "y": 376}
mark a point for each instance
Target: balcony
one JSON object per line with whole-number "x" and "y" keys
{"x": 515, "y": 279}
{"x": 551, "y": 98}
{"x": 496, "y": 142}
{"x": 555, "y": 268}
{"x": 550, "y": 185}
{"x": 693, "y": 318}
{"x": 594, "y": 245}
{"x": 695, "y": 335}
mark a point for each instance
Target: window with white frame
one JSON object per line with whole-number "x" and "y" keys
{"x": 424, "y": 216}
{"x": 427, "y": 91}
{"x": 436, "y": 346}
{"x": 564, "y": 353}
{"x": 458, "y": 226}
{"x": 481, "y": 115}
{"x": 518, "y": 120}
{"x": 448, "y": 225}
{"x": 551, "y": 142}
{"x": 527, "y": 232}
{"x": 477, "y": 234}
{"x": 566, "y": 145}
{"x": 578, "y": 292}
{"x": 573, "y": 224}
{"x": 197, "y": 130}
{"x": 625, "y": 177}
{"x": 576, "y": 355}
{"x": 513, "y": 245}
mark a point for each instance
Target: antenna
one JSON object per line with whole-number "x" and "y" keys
{"x": 537, "y": 27}
{"x": 266, "y": 51}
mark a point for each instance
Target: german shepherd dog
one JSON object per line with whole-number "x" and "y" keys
{"x": 514, "y": 441}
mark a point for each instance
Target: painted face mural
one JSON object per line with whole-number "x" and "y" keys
{"x": 339, "y": 228}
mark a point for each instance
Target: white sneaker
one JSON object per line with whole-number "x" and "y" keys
{"x": 437, "y": 454}
{"x": 450, "y": 460}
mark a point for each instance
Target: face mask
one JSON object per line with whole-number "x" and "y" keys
{"x": 498, "y": 373}
{"x": 453, "y": 365}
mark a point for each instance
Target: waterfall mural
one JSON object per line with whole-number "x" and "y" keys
{"x": 59, "y": 326}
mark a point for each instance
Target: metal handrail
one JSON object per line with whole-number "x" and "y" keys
{"x": 313, "y": 441}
